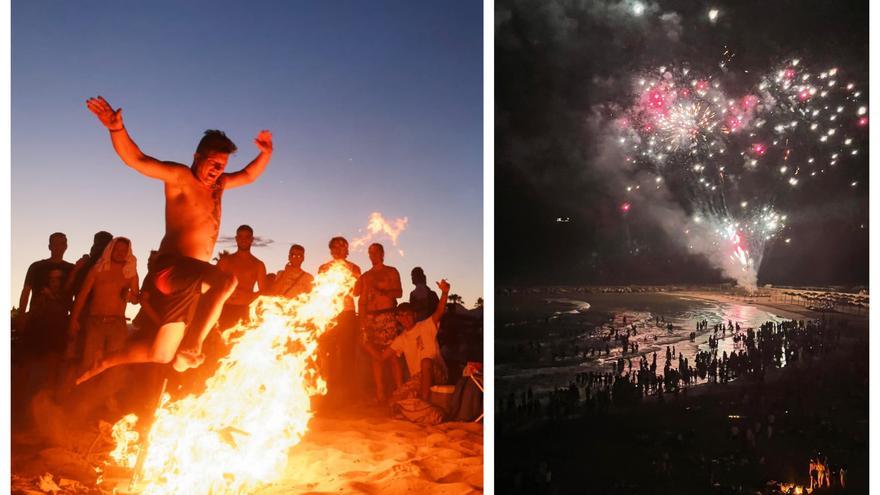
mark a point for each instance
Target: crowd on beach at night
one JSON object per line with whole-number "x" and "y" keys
{"x": 635, "y": 375}
{"x": 752, "y": 426}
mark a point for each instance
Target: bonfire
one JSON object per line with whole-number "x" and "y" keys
{"x": 235, "y": 436}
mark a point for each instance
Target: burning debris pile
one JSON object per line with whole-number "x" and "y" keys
{"x": 235, "y": 436}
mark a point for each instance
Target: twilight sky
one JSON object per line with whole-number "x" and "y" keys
{"x": 372, "y": 108}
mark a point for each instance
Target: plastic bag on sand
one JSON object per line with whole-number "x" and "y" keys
{"x": 418, "y": 411}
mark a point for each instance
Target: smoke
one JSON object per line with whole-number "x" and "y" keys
{"x": 699, "y": 232}
{"x": 722, "y": 248}
{"x": 671, "y": 23}
{"x": 570, "y": 21}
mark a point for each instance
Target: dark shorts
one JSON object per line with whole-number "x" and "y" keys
{"x": 178, "y": 282}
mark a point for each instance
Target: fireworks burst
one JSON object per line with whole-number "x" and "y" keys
{"x": 794, "y": 118}
{"x": 810, "y": 120}
{"x": 736, "y": 242}
{"x": 687, "y": 131}
{"x": 678, "y": 115}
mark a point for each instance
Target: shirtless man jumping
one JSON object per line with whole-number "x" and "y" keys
{"x": 192, "y": 221}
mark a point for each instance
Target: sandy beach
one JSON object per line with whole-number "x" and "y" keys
{"x": 359, "y": 452}
{"x": 541, "y": 339}
{"x": 380, "y": 455}
{"x": 789, "y": 311}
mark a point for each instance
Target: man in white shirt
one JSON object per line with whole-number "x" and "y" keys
{"x": 418, "y": 344}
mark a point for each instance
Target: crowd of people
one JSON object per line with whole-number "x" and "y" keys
{"x": 634, "y": 375}
{"x": 745, "y": 427}
{"x": 70, "y": 325}
{"x": 73, "y": 315}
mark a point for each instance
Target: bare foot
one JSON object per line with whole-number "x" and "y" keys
{"x": 96, "y": 369}
{"x": 186, "y": 360}
{"x": 190, "y": 345}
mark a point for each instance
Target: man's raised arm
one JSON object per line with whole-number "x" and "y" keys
{"x": 441, "y": 306}
{"x": 127, "y": 150}
{"x": 255, "y": 168}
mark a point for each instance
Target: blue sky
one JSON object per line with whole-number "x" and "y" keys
{"x": 373, "y": 107}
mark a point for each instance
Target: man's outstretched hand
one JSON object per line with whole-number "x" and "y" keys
{"x": 112, "y": 119}
{"x": 264, "y": 141}
{"x": 444, "y": 286}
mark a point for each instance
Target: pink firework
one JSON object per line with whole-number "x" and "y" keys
{"x": 759, "y": 149}
{"x": 733, "y": 124}
{"x": 658, "y": 98}
{"x": 748, "y": 103}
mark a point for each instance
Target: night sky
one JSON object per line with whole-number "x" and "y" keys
{"x": 557, "y": 61}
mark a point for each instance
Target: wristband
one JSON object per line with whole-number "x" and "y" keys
{"x": 117, "y": 130}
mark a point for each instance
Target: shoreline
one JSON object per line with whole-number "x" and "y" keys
{"x": 784, "y": 310}
{"x": 789, "y": 313}
{"x": 544, "y": 373}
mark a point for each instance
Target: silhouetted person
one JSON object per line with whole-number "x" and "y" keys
{"x": 423, "y": 299}
{"x": 293, "y": 280}
{"x": 109, "y": 286}
{"x": 249, "y": 271}
{"x": 42, "y": 326}
{"x": 74, "y": 281}
{"x": 378, "y": 290}
{"x": 37, "y": 277}
{"x": 337, "y": 348}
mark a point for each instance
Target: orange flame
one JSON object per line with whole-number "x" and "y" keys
{"x": 234, "y": 437}
{"x": 126, "y": 438}
{"x": 378, "y": 225}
